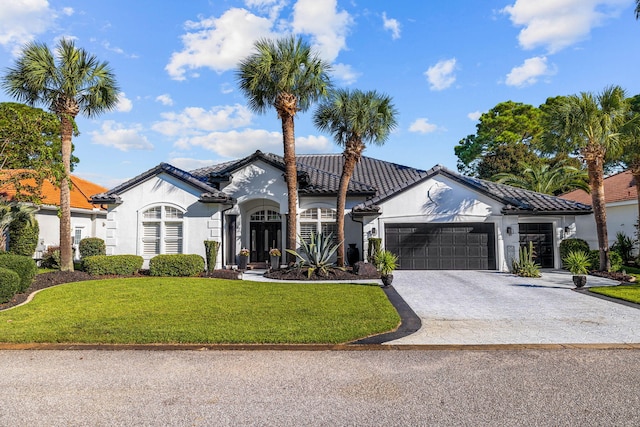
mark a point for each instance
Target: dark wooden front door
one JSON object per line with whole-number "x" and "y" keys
{"x": 541, "y": 234}
{"x": 264, "y": 236}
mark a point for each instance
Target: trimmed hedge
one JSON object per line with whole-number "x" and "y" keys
{"x": 177, "y": 265}
{"x": 25, "y": 266}
{"x": 9, "y": 284}
{"x": 112, "y": 264}
{"x": 573, "y": 245}
{"x": 92, "y": 246}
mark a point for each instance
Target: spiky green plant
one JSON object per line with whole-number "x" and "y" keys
{"x": 316, "y": 253}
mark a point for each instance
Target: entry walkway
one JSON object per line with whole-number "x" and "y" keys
{"x": 483, "y": 307}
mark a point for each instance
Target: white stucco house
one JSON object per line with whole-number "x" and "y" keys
{"x": 432, "y": 219}
{"x": 87, "y": 219}
{"x": 621, "y": 204}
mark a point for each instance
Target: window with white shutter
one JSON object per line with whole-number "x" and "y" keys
{"x": 318, "y": 220}
{"x": 161, "y": 231}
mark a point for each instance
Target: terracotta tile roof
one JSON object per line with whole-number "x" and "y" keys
{"x": 620, "y": 187}
{"x": 81, "y": 190}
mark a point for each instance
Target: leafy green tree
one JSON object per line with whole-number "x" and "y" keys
{"x": 507, "y": 124}
{"x": 10, "y": 212}
{"x": 289, "y": 76}
{"x": 544, "y": 178}
{"x": 505, "y": 159}
{"x": 590, "y": 125}
{"x": 70, "y": 82}
{"x": 355, "y": 118}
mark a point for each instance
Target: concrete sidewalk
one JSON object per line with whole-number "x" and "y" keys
{"x": 484, "y": 307}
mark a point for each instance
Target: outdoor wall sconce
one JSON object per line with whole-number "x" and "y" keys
{"x": 566, "y": 230}
{"x": 509, "y": 231}
{"x": 374, "y": 232}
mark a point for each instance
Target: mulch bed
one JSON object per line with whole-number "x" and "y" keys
{"x": 293, "y": 273}
{"x": 614, "y": 276}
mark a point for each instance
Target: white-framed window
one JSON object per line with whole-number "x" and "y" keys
{"x": 77, "y": 236}
{"x": 318, "y": 220}
{"x": 162, "y": 230}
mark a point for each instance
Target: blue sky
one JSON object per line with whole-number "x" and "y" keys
{"x": 443, "y": 62}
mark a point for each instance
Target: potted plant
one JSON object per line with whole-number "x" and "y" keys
{"x": 243, "y": 259}
{"x": 386, "y": 262}
{"x": 274, "y": 255}
{"x": 578, "y": 262}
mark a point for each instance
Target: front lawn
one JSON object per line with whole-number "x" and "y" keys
{"x": 197, "y": 310}
{"x": 624, "y": 292}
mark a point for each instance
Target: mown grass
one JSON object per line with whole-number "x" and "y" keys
{"x": 624, "y": 292}
{"x": 197, "y": 310}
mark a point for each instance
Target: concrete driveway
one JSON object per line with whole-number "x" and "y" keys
{"x": 484, "y": 307}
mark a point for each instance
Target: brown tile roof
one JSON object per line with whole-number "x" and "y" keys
{"x": 620, "y": 187}
{"x": 81, "y": 190}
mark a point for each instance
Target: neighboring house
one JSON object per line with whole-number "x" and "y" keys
{"x": 434, "y": 219}
{"x": 621, "y": 202}
{"x": 87, "y": 219}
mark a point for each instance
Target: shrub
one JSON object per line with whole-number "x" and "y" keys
{"x": 623, "y": 246}
{"x": 373, "y": 247}
{"x": 572, "y": 245}
{"x": 211, "y": 252}
{"x": 112, "y": 264}
{"x": 23, "y": 236}
{"x": 385, "y": 261}
{"x": 615, "y": 259}
{"x": 25, "y": 266}
{"x": 51, "y": 257}
{"x": 9, "y": 284}
{"x": 577, "y": 262}
{"x": 91, "y": 246}
{"x": 525, "y": 266}
{"x": 177, "y": 265}
{"x": 317, "y": 252}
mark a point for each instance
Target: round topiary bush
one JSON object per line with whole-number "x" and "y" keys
{"x": 25, "y": 266}
{"x": 91, "y": 246}
{"x": 98, "y": 265}
{"x": 9, "y": 284}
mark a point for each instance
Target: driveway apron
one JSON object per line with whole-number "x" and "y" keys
{"x": 485, "y": 307}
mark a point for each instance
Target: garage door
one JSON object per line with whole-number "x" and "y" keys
{"x": 460, "y": 246}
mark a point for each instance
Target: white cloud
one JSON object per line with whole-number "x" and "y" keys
{"x": 557, "y": 24}
{"x": 124, "y": 104}
{"x": 164, "y": 99}
{"x": 474, "y": 115}
{"x": 345, "y": 73}
{"x": 422, "y": 125}
{"x": 21, "y": 21}
{"x": 529, "y": 72}
{"x": 68, "y": 11}
{"x": 441, "y": 75}
{"x": 312, "y": 144}
{"x": 197, "y": 121}
{"x": 226, "y": 88}
{"x": 392, "y": 25}
{"x": 327, "y": 26}
{"x": 115, "y": 135}
{"x": 218, "y": 43}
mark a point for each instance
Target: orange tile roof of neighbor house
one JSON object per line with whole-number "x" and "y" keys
{"x": 81, "y": 191}
{"x": 620, "y": 187}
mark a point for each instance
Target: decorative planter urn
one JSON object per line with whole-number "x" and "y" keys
{"x": 242, "y": 262}
{"x": 579, "y": 280}
{"x": 386, "y": 279}
{"x": 275, "y": 262}
{"x": 353, "y": 254}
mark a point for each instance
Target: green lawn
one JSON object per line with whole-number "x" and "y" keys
{"x": 196, "y": 310}
{"x": 623, "y": 292}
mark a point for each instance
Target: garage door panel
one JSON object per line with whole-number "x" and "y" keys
{"x": 463, "y": 246}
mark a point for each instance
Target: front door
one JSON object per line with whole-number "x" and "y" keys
{"x": 541, "y": 234}
{"x": 264, "y": 236}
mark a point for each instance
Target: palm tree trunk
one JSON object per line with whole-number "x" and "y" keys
{"x": 291, "y": 176}
{"x": 596, "y": 182}
{"x": 66, "y": 255}
{"x": 345, "y": 177}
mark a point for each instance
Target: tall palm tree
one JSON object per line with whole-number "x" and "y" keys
{"x": 543, "y": 178}
{"x": 287, "y": 75}
{"x": 637, "y": 10}
{"x": 355, "y": 118}
{"x": 10, "y": 211}
{"x": 70, "y": 82}
{"x": 590, "y": 125}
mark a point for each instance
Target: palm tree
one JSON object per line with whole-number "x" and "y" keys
{"x": 637, "y": 10}
{"x": 70, "y": 82}
{"x": 355, "y": 118}
{"x": 287, "y": 75}
{"x": 590, "y": 125}
{"x": 10, "y": 211}
{"x": 543, "y": 178}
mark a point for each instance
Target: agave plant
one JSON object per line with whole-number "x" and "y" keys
{"x": 316, "y": 252}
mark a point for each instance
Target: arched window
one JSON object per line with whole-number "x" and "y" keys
{"x": 162, "y": 231}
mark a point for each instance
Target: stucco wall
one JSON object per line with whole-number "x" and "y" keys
{"x": 621, "y": 217}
